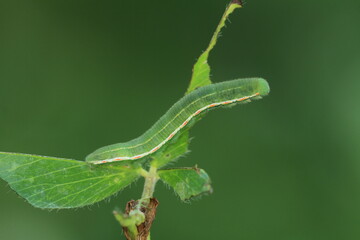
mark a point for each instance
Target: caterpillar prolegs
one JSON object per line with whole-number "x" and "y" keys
{"x": 179, "y": 115}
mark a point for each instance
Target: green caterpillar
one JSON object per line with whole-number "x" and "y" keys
{"x": 179, "y": 115}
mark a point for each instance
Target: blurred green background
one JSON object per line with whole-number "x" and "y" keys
{"x": 78, "y": 75}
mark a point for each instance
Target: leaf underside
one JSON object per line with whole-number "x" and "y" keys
{"x": 48, "y": 182}
{"x": 187, "y": 182}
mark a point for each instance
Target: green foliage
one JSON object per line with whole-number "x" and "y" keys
{"x": 190, "y": 182}
{"x": 201, "y": 69}
{"x": 187, "y": 182}
{"x": 48, "y": 182}
{"x": 173, "y": 150}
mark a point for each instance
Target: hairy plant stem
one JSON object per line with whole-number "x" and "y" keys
{"x": 151, "y": 179}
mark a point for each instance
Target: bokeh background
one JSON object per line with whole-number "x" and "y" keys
{"x": 77, "y": 75}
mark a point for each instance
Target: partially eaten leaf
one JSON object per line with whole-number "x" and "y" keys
{"x": 201, "y": 69}
{"x": 187, "y": 182}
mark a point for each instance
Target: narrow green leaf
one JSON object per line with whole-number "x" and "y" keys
{"x": 201, "y": 69}
{"x": 173, "y": 150}
{"x": 187, "y": 182}
{"x": 48, "y": 182}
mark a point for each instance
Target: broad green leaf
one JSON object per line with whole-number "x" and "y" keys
{"x": 173, "y": 150}
{"x": 187, "y": 182}
{"x": 48, "y": 182}
{"x": 201, "y": 69}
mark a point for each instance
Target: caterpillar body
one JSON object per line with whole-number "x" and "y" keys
{"x": 181, "y": 114}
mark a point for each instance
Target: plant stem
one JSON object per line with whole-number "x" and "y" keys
{"x": 150, "y": 181}
{"x": 136, "y": 228}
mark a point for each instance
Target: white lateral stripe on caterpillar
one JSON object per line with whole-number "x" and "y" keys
{"x": 176, "y": 130}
